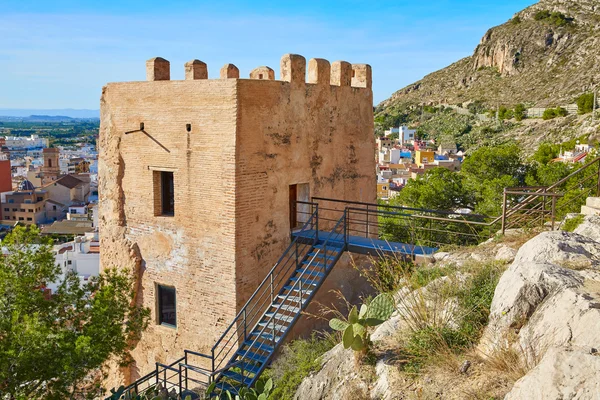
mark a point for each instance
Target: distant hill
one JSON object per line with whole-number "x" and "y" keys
{"x": 62, "y": 113}
{"x": 545, "y": 56}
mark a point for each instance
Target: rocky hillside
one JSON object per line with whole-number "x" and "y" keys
{"x": 545, "y": 55}
{"x": 540, "y": 340}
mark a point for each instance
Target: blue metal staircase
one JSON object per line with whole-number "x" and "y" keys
{"x": 248, "y": 344}
{"x": 285, "y": 308}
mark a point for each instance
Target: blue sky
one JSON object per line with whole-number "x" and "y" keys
{"x": 59, "y": 53}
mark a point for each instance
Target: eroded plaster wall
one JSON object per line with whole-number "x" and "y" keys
{"x": 295, "y": 132}
{"x": 194, "y": 250}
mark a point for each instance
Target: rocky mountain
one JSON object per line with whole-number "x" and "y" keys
{"x": 546, "y": 55}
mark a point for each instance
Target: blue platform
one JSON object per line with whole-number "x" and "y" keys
{"x": 363, "y": 245}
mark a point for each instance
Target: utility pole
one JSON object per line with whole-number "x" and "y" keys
{"x": 594, "y": 106}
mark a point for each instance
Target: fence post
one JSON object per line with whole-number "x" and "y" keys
{"x": 317, "y": 222}
{"x": 180, "y": 380}
{"x": 156, "y": 374}
{"x": 368, "y": 223}
{"x": 504, "y": 212}
{"x": 186, "y": 371}
{"x": 598, "y": 183}
{"x": 543, "y": 209}
{"x": 553, "y": 210}
{"x": 245, "y": 318}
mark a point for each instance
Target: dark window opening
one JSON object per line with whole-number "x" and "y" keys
{"x": 260, "y": 76}
{"x": 50, "y": 162}
{"x": 167, "y": 314}
{"x": 167, "y": 193}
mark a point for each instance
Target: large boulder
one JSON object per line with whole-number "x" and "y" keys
{"x": 550, "y": 295}
{"x": 561, "y": 374}
{"x": 338, "y": 379}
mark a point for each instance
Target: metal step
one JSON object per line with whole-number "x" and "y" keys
{"x": 321, "y": 254}
{"x": 305, "y": 272}
{"x": 285, "y": 307}
{"x": 248, "y": 367}
{"x": 269, "y": 337}
{"x": 297, "y": 289}
{"x": 248, "y": 355}
{"x": 244, "y": 380}
{"x": 305, "y": 281}
{"x": 272, "y": 326}
{"x": 258, "y": 346}
{"x": 331, "y": 246}
{"x": 314, "y": 263}
{"x": 293, "y": 299}
{"x": 280, "y": 317}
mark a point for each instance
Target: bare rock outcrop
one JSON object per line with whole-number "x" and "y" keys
{"x": 561, "y": 374}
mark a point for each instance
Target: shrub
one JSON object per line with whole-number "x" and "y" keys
{"x": 555, "y": 18}
{"x": 585, "y": 103}
{"x": 541, "y": 15}
{"x": 432, "y": 334}
{"x": 572, "y": 223}
{"x": 551, "y": 113}
{"x": 516, "y": 20}
{"x": 519, "y": 112}
{"x": 297, "y": 360}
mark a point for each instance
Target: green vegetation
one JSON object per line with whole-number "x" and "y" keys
{"x": 429, "y": 335}
{"x": 572, "y": 223}
{"x": 585, "y": 103}
{"x": 519, "y": 112}
{"x": 51, "y": 344}
{"x": 151, "y": 394}
{"x": 297, "y": 360}
{"x": 60, "y": 133}
{"x": 555, "y": 18}
{"x": 551, "y": 113}
{"x": 437, "y": 189}
{"x": 260, "y": 391}
{"x": 479, "y": 187}
{"x": 356, "y": 327}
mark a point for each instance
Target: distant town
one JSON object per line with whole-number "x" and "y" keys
{"x": 401, "y": 156}
{"x": 48, "y": 177}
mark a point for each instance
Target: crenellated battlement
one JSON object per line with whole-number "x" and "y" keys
{"x": 293, "y": 69}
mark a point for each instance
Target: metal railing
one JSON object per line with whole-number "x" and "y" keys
{"x": 415, "y": 227}
{"x": 542, "y": 206}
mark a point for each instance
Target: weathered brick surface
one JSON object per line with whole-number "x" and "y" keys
{"x": 249, "y": 140}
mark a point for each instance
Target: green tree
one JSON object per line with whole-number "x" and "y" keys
{"x": 549, "y": 113}
{"x": 585, "y": 103}
{"x": 545, "y": 153}
{"x": 437, "y": 189}
{"x": 51, "y": 344}
{"x": 520, "y": 112}
{"x": 487, "y": 163}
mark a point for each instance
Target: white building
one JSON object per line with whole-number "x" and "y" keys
{"x": 81, "y": 256}
{"x": 25, "y": 143}
{"x": 406, "y": 135}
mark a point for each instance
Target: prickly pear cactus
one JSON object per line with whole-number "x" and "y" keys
{"x": 356, "y": 335}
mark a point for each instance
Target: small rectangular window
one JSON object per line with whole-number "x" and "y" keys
{"x": 164, "y": 193}
{"x": 167, "y": 314}
{"x": 7, "y": 209}
{"x": 29, "y": 219}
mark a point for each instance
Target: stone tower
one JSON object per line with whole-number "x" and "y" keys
{"x": 196, "y": 179}
{"x": 51, "y": 167}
